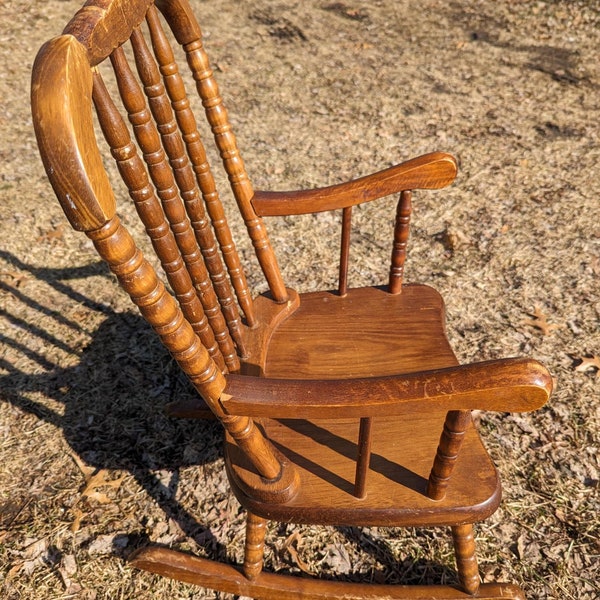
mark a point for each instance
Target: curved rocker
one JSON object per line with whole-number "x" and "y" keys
{"x": 269, "y": 586}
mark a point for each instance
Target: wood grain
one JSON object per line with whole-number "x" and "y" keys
{"x": 187, "y": 123}
{"x": 148, "y": 206}
{"x": 269, "y": 586}
{"x": 349, "y": 408}
{"x": 61, "y": 94}
{"x": 431, "y": 171}
{"x": 509, "y": 385}
{"x": 324, "y": 454}
{"x": 366, "y": 333}
{"x": 181, "y": 19}
{"x": 103, "y": 25}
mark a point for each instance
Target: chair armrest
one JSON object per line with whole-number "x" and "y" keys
{"x": 509, "y": 385}
{"x": 430, "y": 171}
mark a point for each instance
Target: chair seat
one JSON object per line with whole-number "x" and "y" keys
{"x": 324, "y": 453}
{"x": 367, "y": 333}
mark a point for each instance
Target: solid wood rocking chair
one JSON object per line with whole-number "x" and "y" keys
{"x": 346, "y": 407}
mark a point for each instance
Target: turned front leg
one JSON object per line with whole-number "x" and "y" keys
{"x": 256, "y": 529}
{"x": 466, "y": 563}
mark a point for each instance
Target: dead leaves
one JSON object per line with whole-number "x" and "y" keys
{"x": 13, "y": 278}
{"x": 94, "y": 480}
{"x": 290, "y": 546}
{"x": 34, "y": 554}
{"x": 587, "y": 363}
{"x": 354, "y": 14}
{"x": 53, "y": 235}
{"x": 540, "y": 322}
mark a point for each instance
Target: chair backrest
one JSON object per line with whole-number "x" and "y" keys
{"x": 163, "y": 163}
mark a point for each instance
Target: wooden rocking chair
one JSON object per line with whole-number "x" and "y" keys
{"x": 346, "y": 407}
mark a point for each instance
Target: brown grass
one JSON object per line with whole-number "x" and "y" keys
{"x": 319, "y": 91}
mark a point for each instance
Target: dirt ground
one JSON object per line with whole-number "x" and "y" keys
{"x": 319, "y": 92}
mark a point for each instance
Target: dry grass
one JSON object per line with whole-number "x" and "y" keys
{"x": 319, "y": 92}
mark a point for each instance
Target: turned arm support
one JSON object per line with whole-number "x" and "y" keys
{"x": 509, "y": 385}
{"x": 430, "y": 171}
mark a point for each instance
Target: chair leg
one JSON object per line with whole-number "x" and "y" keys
{"x": 466, "y": 563}
{"x": 256, "y": 529}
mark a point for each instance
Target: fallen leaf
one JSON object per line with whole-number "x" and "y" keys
{"x": 540, "y": 321}
{"x": 53, "y": 235}
{"x": 35, "y": 549}
{"x": 587, "y": 363}
{"x": 66, "y": 570}
{"x": 101, "y": 479}
{"x": 107, "y": 544}
{"x": 288, "y": 546}
{"x": 85, "y": 469}
{"x": 35, "y": 554}
{"x": 16, "y": 277}
{"x": 76, "y": 524}
{"x": 95, "y": 479}
{"x": 99, "y": 497}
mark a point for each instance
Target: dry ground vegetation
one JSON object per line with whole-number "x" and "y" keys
{"x": 319, "y": 92}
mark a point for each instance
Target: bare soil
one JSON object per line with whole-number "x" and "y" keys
{"x": 319, "y": 92}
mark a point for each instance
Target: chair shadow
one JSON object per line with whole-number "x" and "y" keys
{"x": 407, "y": 571}
{"x": 114, "y": 397}
{"x": 113, "y": 414}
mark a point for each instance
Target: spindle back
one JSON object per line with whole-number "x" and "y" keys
{"x": 163, "y": 161}
{"x": 205, "y": 318}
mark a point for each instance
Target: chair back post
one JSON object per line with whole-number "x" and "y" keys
{"x": 150, "y": 211}
{"x": 197, "y": 154}
{"x": 138, "y": 278}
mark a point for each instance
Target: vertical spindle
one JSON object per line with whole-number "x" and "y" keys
{"x": 345, "y": 250}
{"x": 364, "y": 457}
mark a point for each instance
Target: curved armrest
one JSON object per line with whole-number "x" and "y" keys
{"x": 430, "y": 171}
{"x": 510, "y": 385}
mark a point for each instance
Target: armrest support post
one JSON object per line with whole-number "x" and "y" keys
{"x": 453, "y": 434}
{"x": 345, "y": 250}
{"x": 401, "y": 231}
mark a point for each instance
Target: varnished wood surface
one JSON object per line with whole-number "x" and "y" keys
{"x": 103, "y": 25}
{"x": 403, "y": 450}
{"x": 175, "y": 85}
{"x": 364, "y": 334}
{"x": 431, "y": 171}
{"x": 268, "y": 586}
{"x": 401, "y": 231}
{"x": 319, "y": 353}
{"x": 61, "y": 93}
{"x": 182, "y": 21}
{"x": 152, "y": 216}
{"x": 269, "y": 315}
{"x": 510, "y": 385}
{"x": 466, "y": 563}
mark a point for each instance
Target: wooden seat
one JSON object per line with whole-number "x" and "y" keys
{"x": 324, "y": 453}
{"x": 332, "y": 336}
{"x": 343, "y": 407}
